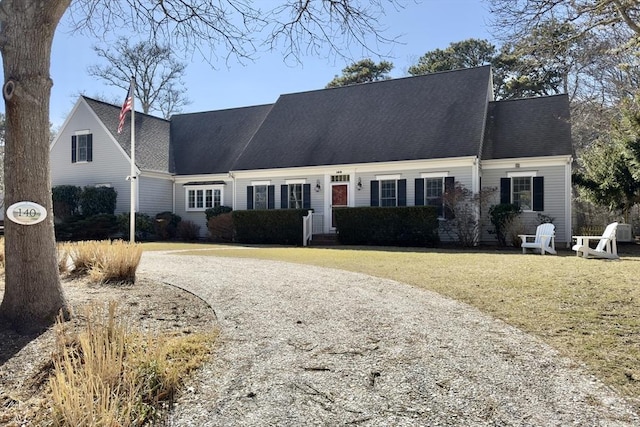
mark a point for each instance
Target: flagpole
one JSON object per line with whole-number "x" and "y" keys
{"x": 132, "y": 213}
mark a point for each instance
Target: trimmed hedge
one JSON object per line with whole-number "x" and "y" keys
{"x": 98, "y": 200}
{"x": 388, "y": 226}
{"x": 95, "y": 227}
{"x": 277, "y": 226}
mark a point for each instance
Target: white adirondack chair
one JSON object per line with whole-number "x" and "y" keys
{"x": 606, "y": 248}
{"x": 543, "y": 240}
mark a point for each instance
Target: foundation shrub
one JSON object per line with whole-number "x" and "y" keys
{"x": 166, "y": 225}
{"x": 188, "y": 231}
{"x": 218, "y": 210}
{"x": 388, "y": 226}
{"x": 98, "y": 200}
{"x": 279, "y": 226}
{"x": 144, "y": 226}
{"x": 221, "y": 228}
{"x": 503, "y": 218}
{"x": 96, "y": 227}
{"x": 66, "y": 201}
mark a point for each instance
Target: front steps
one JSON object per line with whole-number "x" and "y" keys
{"x": 324, "y": 240}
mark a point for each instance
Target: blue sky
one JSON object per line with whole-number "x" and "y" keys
{"x": 421, "y": 26}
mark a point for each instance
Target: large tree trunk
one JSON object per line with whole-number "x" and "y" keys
{"x": 33, "y": 295}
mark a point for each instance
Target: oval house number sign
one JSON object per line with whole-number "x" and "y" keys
{"x": 26, "y": 213}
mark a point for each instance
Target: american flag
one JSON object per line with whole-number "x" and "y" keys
{"x": 126, "y": 106}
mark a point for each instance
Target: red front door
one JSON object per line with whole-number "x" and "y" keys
{"x": 339, "y": 199}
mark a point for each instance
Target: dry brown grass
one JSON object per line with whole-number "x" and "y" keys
{"x": 587, "y": 309}
{"x": 107, "y": 374}
{"x": 102, "y": 261}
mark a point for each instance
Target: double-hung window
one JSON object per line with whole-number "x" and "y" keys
{"x": 430, "y": 190}
{"x": 200, "y": 198}
{"x": 389, "y": 190}
{"x": 81, "y": 148}
{"x": 260, "y": 195}
{"x": 295, "y": 194}
{"x": 523, "y": 189}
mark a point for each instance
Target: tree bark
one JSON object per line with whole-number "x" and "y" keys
{"x": 33, "y": 294}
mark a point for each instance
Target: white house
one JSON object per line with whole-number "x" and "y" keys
{"x": 390, "y": 143}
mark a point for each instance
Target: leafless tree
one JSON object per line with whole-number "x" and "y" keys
{"x": 157, "y": 73}
{"x": 521, "y": 17}
{"x": 33, "y": 295}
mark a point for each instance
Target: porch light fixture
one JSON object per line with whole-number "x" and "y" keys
{"x": 359, "y": 184}
{"x": 317, "y": 186}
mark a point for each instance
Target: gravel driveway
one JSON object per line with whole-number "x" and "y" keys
{"x": 310, "y": 346}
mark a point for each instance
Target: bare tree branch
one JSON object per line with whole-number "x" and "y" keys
{"x": 157, "y": 74}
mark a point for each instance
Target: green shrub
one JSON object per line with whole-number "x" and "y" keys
{"x": 388, "y": 226}
{"x": 221, "y": 228}
{"x": 66, "y": 201}
{"x": 502, "y": 216}
{"x": 144, "y": 226}
{"x": 281, "y": 226}
{"x": 188, "y": 231}
{"x": 166, "y": 225}
{"x": 98, "y": 200}
{"x": 218, "y": 210}
{"x": 96, "y": 227}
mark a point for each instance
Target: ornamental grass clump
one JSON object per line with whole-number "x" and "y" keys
{"x": 115, "y": 262}
{"x": 107, "y": 374}
{"x": 83, "y": 255}
{"x": 101, "y": 261}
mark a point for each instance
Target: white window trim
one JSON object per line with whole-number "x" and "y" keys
{"x": 388, "y": 177}
{"x": 188, "y": 188}
{"x": 434, "y": 174}
{"x": 529, "y": 175}
{"x": 521, "y": 174}
{"x": 256, "y": 183}
{"x": 295, "y": 181}
{"x": 81, "y": 133}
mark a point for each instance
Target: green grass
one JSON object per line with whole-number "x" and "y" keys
{"x": 587, "y": 309}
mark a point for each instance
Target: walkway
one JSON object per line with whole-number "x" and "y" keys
{"x": 304, "y": 346}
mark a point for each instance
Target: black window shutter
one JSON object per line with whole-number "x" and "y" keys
{"x": 249, "y": 197}
{"x": 402, "y": 192}
{"x": 375, "y": 193}
{"x": 284, "y": 196}
{"x": 90, "y": 148}
{"x": 449, "y": 187}
{"x": 271, "y": 197}
{"x": 505, "y": 190}
{"x": 73, "y": 148}
{"x": 538, "y": 193}
{"x": 419, "y": 191}
{"x": 306, "y": 196}
{"x": 449, "y": 184}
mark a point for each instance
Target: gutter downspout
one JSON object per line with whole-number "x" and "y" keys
{"x": 568, "y": 201}
{"x": 233, "y": 185}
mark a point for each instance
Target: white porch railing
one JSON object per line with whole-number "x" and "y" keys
{"x": 307, "y": 228}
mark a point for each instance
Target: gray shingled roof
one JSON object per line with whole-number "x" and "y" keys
{"x": 210, "y": 142}
{"x": 432, "y": 116}
{"x": 528, "y": 127}
{"x": 152, "y": 135}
